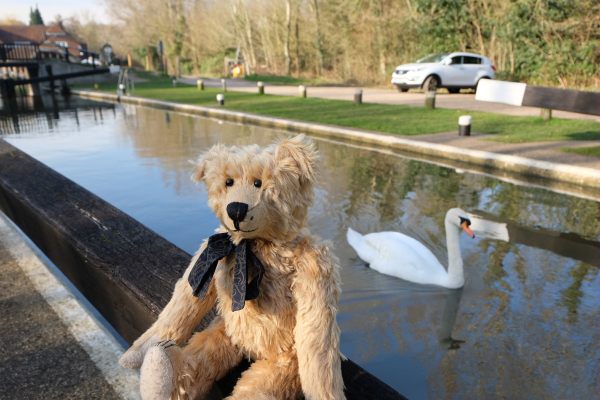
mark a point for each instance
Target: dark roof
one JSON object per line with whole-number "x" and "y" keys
{"x": 22, "y": 33}
{"x": 46, "y": 35}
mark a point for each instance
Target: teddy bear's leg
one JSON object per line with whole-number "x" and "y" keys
{"x": 169, "y": 371}
{"x": 207, "y": 357}
{"x": 272, "y": 379}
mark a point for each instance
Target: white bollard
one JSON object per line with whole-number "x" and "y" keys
{"x": 302, "y": 91}
{"x": 221, "y": 99}
{"x": 224, "y": 85}
{"x": 464, "y": 125}
{"x": 200, "y": 84}
{"x": 261, "y": 87}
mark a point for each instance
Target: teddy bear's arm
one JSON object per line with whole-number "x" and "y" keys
{"x": 316, "y": 290}
{"x": 176, "y": 321}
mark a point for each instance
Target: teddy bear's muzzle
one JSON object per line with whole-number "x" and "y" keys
{"x": 237, "y": 212}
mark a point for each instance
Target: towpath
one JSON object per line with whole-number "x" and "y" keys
{"x": 52, "y": 346}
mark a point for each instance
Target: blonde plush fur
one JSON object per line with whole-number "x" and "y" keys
{"x": 290, "y": 330}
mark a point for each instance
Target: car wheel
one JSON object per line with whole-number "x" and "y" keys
{"x": 453, "y": 90}
{"x": 431, "y": 83}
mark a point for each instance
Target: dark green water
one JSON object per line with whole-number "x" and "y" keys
{"x": 529, "y": 313}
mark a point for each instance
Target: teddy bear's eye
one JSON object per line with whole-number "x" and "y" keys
{"x": 229, "y": 182}
{"x": 257, "y": 183}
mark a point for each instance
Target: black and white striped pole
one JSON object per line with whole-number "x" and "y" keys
{"x": 464, "y": 125}
{"x": 261, "y": 87}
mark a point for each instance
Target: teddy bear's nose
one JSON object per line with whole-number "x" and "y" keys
{"x": 237, "y": 211}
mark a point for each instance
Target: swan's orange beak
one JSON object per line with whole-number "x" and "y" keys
{"x": 466, "y": 228}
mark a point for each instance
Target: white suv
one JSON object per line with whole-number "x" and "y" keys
{"x": 453, "y": 71}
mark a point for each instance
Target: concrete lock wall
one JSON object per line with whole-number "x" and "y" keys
{"x": 61, "y": 67}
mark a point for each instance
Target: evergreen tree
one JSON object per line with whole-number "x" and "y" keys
{"x": 35, "y": 17}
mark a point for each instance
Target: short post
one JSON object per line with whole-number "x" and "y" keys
{"x": 261, "y": 87}
{"x": 221, "y": 99}
{"x": 7, "y": 89}
{"x": 358, "y": 96}
{"x": 224, "y": 85}
{"x": 546, "y": 114}
{"x": 200, "y": 84}
{"x": 430, "y": 99}
{"x": 174, "y": 82}
{"x": 302, "y": 91}
{"x": 64, "y": 89}
{"x": 49, "y": 73}
{"x": 464, "y": 125}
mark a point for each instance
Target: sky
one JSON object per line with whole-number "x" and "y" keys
{"x": 19, "y": 9}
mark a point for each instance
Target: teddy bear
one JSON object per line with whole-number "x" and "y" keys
{"x": 274, "y": 286}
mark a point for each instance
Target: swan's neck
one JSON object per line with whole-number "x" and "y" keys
{"x": 456, "y": 276}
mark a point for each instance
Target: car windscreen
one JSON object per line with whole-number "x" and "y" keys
{"x": 433, "y": 58}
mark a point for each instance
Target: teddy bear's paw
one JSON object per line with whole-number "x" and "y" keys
{"x": 156, "y": 374}
{"x": 134, "y": 357}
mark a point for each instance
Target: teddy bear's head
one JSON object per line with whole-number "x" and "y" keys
{"x": 260, "y": 192}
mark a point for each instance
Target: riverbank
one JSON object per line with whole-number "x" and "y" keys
{"x": 395, "y": 119}
{"x": 552, "y": 174}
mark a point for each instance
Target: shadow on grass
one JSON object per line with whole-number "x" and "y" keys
{"x": 585, "y": 135}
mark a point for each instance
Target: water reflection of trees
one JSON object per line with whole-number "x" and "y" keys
{"x": 172, "y": 139}
{"x": 572, "y": 295}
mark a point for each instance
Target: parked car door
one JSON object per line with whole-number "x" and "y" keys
{"x": 454, "y": 73}
{"x": 473, "y": 66}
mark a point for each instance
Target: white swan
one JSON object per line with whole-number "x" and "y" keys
{"x": 396, "y": 254}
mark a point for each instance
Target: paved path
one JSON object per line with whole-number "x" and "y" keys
{"x": 543, "y": 151}
{"x": 50, "y": 347}
{"x": 388, "y": 96}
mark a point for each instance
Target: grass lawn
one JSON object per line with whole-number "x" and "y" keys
{"x": 394, "y": 119}
{"x": 593, "y": 151}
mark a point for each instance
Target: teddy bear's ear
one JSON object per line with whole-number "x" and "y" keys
{"x": 204, "y": 160}
{"x": 199, "y": 169}
{"x": 298, "y": 157}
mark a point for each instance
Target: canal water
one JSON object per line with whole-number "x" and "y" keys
{"x": 525, "y": 325}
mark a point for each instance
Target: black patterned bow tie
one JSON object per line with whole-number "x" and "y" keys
{"x": 220, "y": 246}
